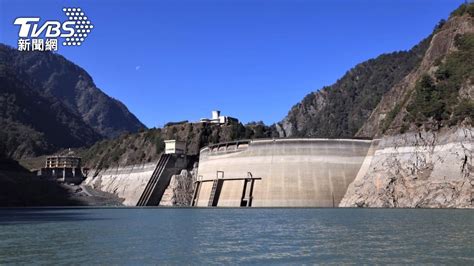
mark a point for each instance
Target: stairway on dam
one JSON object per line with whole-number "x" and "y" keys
{"x": 215, "y": 192}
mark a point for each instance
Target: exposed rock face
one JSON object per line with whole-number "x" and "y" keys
{"x": 180, "y": 190}
{"x": 425, "y": 169}
{"x": 127, "y": 182}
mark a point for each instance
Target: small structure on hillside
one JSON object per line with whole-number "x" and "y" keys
{"x": 173, "y": 146}
{"x": 217, "y": 118}
{"x": 64, "y": 167}
{"x": 63, "y": 161}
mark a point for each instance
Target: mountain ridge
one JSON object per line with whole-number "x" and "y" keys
{"x": 49, "y": 103}
{"x": 55, "y": 75}
{"x": 391, "y": 115}
{"x": 339, "y": 110}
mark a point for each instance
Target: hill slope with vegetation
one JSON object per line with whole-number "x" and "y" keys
{"x": 440, "y": 92}
{"x": 48, "y": 103}
{"x": 341, "y": 109}
{"x": 35, "y": 124}
{"x": 147, "y": 146}
{"x": 429, "y": 86}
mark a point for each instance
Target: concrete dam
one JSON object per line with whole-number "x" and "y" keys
{"x": 280, "y": 172}
{"x": 140, "y": 185}
{"x": 247, "y": 173}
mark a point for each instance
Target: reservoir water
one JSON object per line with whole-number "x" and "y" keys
{"x": 244, "y": 236}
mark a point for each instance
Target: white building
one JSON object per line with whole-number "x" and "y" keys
{"x": 217, "y": 118}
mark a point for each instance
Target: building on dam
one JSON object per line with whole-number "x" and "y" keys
{"x": 279, "y": 172}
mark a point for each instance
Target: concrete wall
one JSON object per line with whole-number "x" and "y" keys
{"x": 129, "y": 182}
{"x": 293, "y": 172}
{"x": 126, "y": 182}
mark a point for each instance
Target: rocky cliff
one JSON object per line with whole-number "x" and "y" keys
{"x": 180, "y": 190}
{"x": 435, "y": 92}
{"x": 411, "y": 170}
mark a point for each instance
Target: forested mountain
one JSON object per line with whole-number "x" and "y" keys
{"x": 437, "y": 94}
{"x": 47, "y": 103}
{"x": 429, "y": 86}
{"x": 341, "y": 109}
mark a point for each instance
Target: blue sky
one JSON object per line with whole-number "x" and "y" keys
{"x": 252, "y": 59}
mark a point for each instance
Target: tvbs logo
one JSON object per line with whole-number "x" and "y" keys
{"x": 36, "y": 36}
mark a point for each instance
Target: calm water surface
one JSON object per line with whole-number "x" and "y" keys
{"x": 216, "y": 236}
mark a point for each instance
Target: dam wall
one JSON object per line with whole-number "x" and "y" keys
{"x": 126, "y": 182}
{"x": 129, "y": 182}
{"x": 279, "y": 172}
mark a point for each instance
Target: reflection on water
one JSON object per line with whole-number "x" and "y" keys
{"x": 41, "y": 215}
{"x": 216, "y": 236}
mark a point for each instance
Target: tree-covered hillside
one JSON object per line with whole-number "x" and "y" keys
{"x": 48, "y": 103}
{"x": 341, "y": 109}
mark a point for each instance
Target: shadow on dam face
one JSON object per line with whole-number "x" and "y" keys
{"x": 279, "y": 172}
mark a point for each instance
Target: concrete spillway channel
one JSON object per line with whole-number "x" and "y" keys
{"x": 279, "y": 172}
{"x": 167, "y": 166}
{"x": 151, "y": 194}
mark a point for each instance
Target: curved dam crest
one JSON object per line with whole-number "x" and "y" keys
{"x": 259, "y": 173}
{"x": 279, "y": 172}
